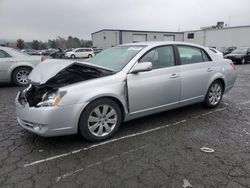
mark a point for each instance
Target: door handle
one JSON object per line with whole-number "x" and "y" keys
{"x": 11, "y": 61}
{"x": 174, "y": 75}
{"x": 209, "y": 69}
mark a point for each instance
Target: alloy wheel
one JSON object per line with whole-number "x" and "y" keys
{"x": 22, "y": 76}
{"x": 102, "y": 120}
{"x": 215, "y": 94}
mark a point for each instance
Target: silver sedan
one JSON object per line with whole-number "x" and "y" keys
{"x": 120, "y": 84}
{"x": 16, "y": 66}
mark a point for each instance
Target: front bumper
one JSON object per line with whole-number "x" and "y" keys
{"x": 49, "y": 121}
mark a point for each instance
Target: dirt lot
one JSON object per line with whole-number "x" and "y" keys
{"x": 156, "y": 151}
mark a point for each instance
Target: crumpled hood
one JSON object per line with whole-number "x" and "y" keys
{"x": 47, "y": 69}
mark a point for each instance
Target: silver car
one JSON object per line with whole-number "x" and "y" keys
{"x": 15, "y": 66}
{"x": 120, "y": 84}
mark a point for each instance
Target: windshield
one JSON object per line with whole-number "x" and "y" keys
{"x": 117, "y": 57}
{"x": 241, "y": 50}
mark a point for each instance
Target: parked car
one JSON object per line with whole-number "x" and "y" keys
{"x": 61, "y": 53}
{"x": 97, "y": 50}
{"x": 220, "y": 54}
{"x": 240, "y": 55}
{"x": 120, "y": 84}
{"x": 229, "y": 50}
{"x": 31, "y": 52}
{"x": 80, "y": 53}
{"x": 56, "y": 53}
{"x": 15, "y": 66}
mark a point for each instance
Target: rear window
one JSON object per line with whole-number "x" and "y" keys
{"x": 190, "y": 55}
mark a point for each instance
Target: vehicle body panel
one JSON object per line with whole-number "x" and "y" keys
{"x": 138, "y": 94}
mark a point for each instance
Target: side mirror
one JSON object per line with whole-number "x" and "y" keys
{"x": 142, "y": 67}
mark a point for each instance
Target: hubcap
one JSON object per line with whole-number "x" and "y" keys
{"x": 22, "y": 76}
{"x": 102, "y": 120}
{"x": 215, "y": 94}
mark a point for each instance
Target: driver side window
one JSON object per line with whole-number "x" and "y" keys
{"x": 160, "y": 57}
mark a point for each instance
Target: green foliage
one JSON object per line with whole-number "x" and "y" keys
{"x": 20, "y": 44}
{"x": 59, "y": 42}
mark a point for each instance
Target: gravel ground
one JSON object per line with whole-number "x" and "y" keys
{"x": 161, "y": 150}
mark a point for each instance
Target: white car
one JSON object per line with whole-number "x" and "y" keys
{"x": 220, "y": 54}
{"x": 80, "y": 53}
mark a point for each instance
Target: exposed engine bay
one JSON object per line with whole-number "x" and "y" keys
{"x": 36, "y": 93}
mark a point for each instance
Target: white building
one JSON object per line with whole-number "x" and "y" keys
{"x": 220, "y": 38}
{"x": 107, "y": 38}
{"x": 214, "y": 36}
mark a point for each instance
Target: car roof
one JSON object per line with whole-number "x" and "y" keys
{"x": 158, "y": 43}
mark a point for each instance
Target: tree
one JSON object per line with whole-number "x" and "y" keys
{"x": 35, "y": 44}
{"x": 43, "y": 45}
{"x": 20, "y": 44}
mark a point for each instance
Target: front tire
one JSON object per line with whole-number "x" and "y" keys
{"x": 73, "y": 56}
{"x": 89, "y": 56}
{"x": 20, "y": 76}
{"x": 100, "y": 120}
{"x": 214, "y": 95}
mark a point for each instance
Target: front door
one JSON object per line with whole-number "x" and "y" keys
{"x": 158, "y": 88}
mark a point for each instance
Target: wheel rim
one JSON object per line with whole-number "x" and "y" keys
{"x": 102, "y": 120}
{"x": 22, "y": 76}
{"x": 215, "y": 94}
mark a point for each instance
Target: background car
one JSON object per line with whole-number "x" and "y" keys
{"x": 15, "y": 66}
{"x": 97, "y": 50}
{"x": 31, "y": 51}
{"x": 61, "y": 53}
{"x": 121, "y": 83}
{"x": 229, "y": 50}
{"x": 80, "y": 53}
{"x": 240, "y": 55}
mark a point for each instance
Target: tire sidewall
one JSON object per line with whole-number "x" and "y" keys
{"x": 73, "y": 56}
{"x": 83, "y": 121}
{"x": 206, "y": 102}
{"x": 89, "y": 56}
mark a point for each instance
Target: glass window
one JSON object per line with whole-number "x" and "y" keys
{"x": 4, "y": 54}
{"x": 117, "y": 57}
{"x": 190, "y": 35}
{"x": 160, "y": 57}
{"x": 79, "y": 50}
{"x": 205, "y": 56}
{"x": 190, "y": 55}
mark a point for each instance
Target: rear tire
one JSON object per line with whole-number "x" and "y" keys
{"x": 20, "y": 76}
{"x": 214, "y": 94}
{"x": 100, "y": 120}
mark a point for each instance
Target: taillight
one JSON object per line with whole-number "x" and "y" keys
{"x": 232, "y": 65}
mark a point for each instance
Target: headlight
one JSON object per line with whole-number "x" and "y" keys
{"x": 51, "y": 99}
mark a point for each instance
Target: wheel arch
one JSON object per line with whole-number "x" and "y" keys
{"x": 113, "y": 98}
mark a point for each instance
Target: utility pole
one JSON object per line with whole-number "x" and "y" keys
{"x": 229, "y": 21}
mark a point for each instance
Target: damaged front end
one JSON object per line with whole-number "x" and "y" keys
{"x": 44, "y": 88}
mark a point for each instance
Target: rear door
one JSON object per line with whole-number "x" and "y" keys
{"x": 158, "y": 88}
{"x": 6, "y": 62}
{"x": 196, "y": 70}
